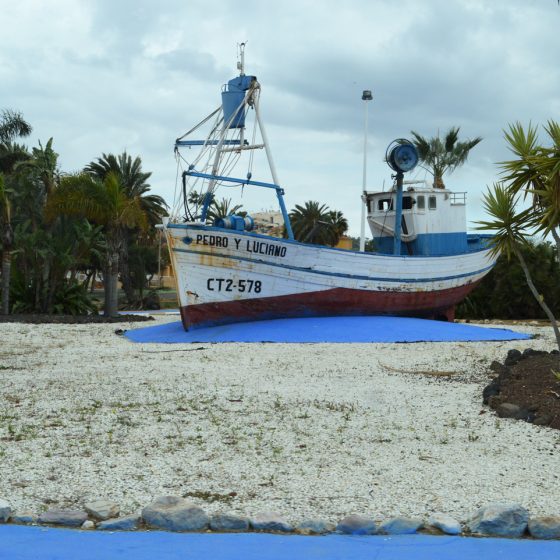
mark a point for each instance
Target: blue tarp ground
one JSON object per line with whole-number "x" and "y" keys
{"x": 36, "y": 543}
{"x": 326, "y": 329}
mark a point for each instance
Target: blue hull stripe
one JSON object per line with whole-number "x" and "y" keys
{"x": 336, "y": 274}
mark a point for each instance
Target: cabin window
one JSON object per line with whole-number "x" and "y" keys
{"x": 432, "y": 202}
{"x": 407, "y": 202}
{"x": 421, "y": 201}
{"x": 385, "y": 204}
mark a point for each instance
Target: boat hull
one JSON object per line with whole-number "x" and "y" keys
{"x": 226, "y": 276}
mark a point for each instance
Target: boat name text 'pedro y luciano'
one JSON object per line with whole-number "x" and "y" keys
{"x": 250, "y": 245}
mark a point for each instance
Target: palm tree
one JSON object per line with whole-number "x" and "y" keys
{"x": 510, "y": 235}
{"x": 439, "y": 156}
{"x": 536, "y": 172}
{"x": 7, "y": 244}
{"x": 134, "y": 182}
{"x": 315, "y": 223}
{"x": 338, "y": 224}
{"x": 222, "y": 208}
{"x": 12, "y": 126}
{"x": 43, "y": 163}
{"x": 109, "y": 204}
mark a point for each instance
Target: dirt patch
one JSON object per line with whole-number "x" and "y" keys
{"x": 527, "y": 387}
{"x": 37, "y": 319}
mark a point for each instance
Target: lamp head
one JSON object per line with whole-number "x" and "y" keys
{"x": 402, "y": 155}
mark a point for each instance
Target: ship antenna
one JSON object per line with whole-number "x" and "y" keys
{"x": 241, "y": 58}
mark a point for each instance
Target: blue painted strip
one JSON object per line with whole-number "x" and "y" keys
{"x": 207, "y": 142}
{"x": 335, "y": 274}
{"x": 232, "y": 180}
{"x": 40, "y": 543}
{"x": 285, "y": 215}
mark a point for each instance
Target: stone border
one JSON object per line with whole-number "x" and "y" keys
{"x": 171, "y": 513}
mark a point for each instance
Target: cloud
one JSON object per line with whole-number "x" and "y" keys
{"x": 106, "y": 76}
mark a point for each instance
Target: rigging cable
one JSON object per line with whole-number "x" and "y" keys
{"x": 200, "y": 123}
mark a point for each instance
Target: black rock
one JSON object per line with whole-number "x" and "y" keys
{"x": 490, "y": 390}
{"x": 543, "y": 420}
{"x": 507, "y": 410}
{"x": 530, "y": 352}
{"x": 513, "y": 356}
{"x": 497, "y": 367}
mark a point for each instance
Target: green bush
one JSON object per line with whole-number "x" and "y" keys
{"x": 503, "y": 293}
{"x": 71, "y": 298}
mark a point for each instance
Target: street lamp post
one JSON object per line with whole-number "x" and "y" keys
{"x": 366, "y": 96}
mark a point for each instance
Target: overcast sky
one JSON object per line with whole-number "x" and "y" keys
{"x": 107, "y": 76}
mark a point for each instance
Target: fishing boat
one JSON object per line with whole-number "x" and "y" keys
{"x": 424, "y": 261}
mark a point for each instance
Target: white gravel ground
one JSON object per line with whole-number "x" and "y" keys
{"x": 320, "y": 430}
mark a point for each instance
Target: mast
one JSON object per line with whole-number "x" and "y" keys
{"x": 241, "y": 61}
{"x": 366, "y": 96}
{"x": 225, "y": 128}
{"x": 238, "y": 95}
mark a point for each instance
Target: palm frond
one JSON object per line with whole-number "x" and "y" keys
{"x": 439, "y": 156}
{"x": 13, "y": 125}
{"x": 509, "y": 227}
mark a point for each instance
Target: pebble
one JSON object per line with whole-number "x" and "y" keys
{"x": 127, "y": 523}
{"x": 269, "y": 521}
{"x": 315, "y": 527}
{"x": 400, "y": 526}
{"x": 499, "y": 520}
{"x": 445, "y": 523}
{"x": 177, "y": 514}
{"x": 5, "y": 511}
{"x": 65, "y": 517}
{"x": 545, "y": 527}
{"x": 174, "y": 514}
{"x": 224, "y": 522}
{"x": 421, "y": 426}
{"x": 102, "y": 509}
{"x": 357, "y": 525}
{"x": 24, "y": 518}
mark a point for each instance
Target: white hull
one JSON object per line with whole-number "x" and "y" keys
{"x": 228, "y": 276}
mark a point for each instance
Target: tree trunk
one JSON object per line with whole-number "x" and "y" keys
{"x": 125, "y": 274}
{"x": 6, "y": 272}
{"x": 113, "y": 304}
{"x": 556, "y": 237}
{"x": 51, "y": 287}
{"x": 538, "y": 296}
{"x": 93, "y": 278}
{"x": 47, "y": 288}
{"x": 86, "y": 282}
{"x": 106, "y": 289}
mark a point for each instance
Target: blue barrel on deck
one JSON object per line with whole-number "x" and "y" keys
{"x": 232, "y": 99}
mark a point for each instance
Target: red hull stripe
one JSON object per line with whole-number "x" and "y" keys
{"x": 338, "y": 301}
